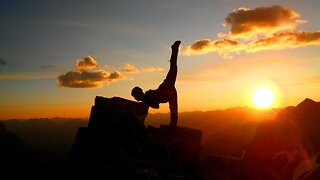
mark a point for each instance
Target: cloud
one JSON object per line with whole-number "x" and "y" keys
{"x": 252, "y": 30}
{"x": 3, "y": 62}
{"x": 200, "y": 45}
{"x": 88, "y": 75}
{"x": 130, "y": 68}
{"x": 246, "y": 22}
{"x": 286, "y": 39}
{"x": 86, "y": 63}
{"x": 205, "y": 46}
{"x": 152, "y": 69}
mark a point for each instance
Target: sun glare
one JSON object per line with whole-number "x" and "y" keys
{"x": 263, "y": 97}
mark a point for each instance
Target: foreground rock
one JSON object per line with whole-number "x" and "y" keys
{"x": 289, "y": 146}
{"x": 13, "y": 154}
{"x": 117, "y": 145}
{"x": 286, "y": 148}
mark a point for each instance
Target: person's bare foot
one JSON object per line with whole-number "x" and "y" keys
{"x": 175, "y": 45}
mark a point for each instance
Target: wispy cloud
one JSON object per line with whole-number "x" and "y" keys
{"x": 87, "y": 74}
{"x": 252, "y": 30}
{"x": 130, "y": 68}
{"x": 27, "y": 75}
{"x": 152, "y": 69}
{"x": 286, "y": 39}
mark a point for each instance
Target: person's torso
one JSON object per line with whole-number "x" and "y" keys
{"x": 154, "y": 97}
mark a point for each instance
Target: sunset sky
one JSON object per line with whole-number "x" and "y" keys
{"x": 56, "y": 57}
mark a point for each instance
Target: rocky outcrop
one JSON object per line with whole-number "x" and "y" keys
{"x": 289, "y": 146}
{"x": 13, "y": 154}
{"x": 117, "y": 145}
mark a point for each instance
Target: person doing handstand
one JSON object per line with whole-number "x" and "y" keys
{"x": 166, "y": 92}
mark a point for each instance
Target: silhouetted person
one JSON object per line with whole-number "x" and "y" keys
{"x": 166, "y": 92}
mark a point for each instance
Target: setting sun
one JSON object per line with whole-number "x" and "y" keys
{"x": 263, "y": 97}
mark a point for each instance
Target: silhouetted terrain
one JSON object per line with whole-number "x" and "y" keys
{"x": 289, "y": 146}
{"x": 117, "y": 145}
{"x": 13, "y": 153}
{"x": 270, "y": 143}
{"x": 48, "y": 142}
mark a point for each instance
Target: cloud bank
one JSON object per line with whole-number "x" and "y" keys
{"x": 251, "y": 30}
{"x": 246, "y": 22}
{"x": 286, "y": 39}
{"x": 87, "y": 74}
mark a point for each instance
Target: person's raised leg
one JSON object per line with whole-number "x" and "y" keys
{"x": 174, "y": 53}
{"x": 172, "y": 74}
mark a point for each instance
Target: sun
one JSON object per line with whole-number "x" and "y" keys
{"x": 263, "y": 97}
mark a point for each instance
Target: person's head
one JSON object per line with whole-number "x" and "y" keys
{"x": 137, "y": 93}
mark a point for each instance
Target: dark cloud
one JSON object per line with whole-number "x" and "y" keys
{"x": 87, "y": 79}
{"x": 3, "y": 62}
{"x": 205, "y": 46}
{"x": 200, "y": 44}
{"x": 245, "y": 22}
{"x": 87, "y": 75}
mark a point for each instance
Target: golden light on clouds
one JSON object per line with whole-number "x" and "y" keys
{"x": 252, "y": 30}
{"x": 87, "y": 74}
{"x": 285, "y": 39}
{"x": 245, "y": 22}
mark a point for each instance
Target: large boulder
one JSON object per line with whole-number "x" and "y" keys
{"x": 117, "y": 145}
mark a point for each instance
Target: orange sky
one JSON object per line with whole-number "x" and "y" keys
{"x": 56, "y": 58}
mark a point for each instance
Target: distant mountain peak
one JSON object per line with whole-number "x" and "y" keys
{"x": 307, "y": 103}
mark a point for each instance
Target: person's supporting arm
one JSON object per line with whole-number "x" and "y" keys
{"x": 173, "y": 106}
